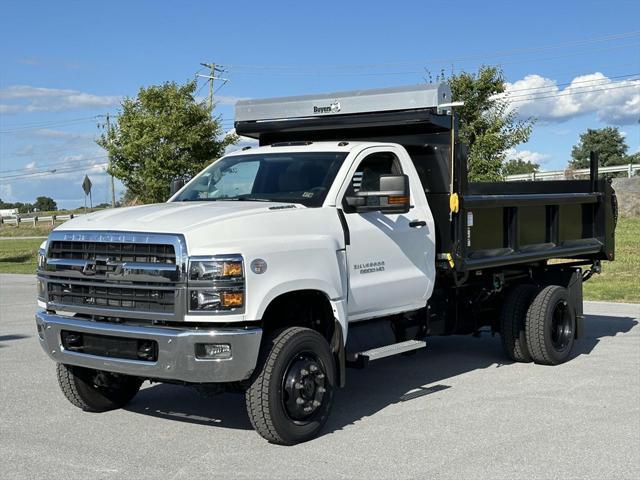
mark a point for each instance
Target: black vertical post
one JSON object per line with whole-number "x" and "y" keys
{"x": 593, "y": 170}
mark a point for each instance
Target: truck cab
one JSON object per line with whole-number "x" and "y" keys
{"x": 350, "y": 234}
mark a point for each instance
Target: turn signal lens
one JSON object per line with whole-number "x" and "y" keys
{"x": 232, "y": 269}
{"x": 231, "y": 299}
{"x": 398, "y": 200}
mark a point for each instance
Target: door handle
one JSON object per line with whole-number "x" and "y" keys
{"x": 417, "y": 223}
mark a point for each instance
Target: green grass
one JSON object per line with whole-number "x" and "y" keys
{"x": 618, "y": 282}
{"x": 26, "y": 230}
{"x": 18, "y": 256}
{"x": 620, "y": 279}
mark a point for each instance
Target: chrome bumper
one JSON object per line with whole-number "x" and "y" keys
{"x": 176, "y": 350}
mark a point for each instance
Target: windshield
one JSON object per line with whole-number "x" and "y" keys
{"x": 302, "y": 177}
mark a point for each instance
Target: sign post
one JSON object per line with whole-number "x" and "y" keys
{"x": 86, "y": 186}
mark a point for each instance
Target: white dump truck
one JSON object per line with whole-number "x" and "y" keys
{"x": 350, "y": 234}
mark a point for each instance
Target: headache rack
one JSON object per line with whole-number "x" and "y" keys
{"x": 479, "y": 225}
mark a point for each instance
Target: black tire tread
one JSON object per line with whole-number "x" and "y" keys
{"x": 257, "y": 395}
{"x": 535, "y": 325}
{"x": 69, "y": 387}
{"x": 512, "y": 322}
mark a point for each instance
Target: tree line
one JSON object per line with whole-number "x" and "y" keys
{"x": 42, "y": 204}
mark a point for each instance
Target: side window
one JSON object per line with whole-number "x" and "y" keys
{"x": 367, "y": 176}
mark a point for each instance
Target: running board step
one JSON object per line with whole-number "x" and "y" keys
{"x": 361, "y": 359}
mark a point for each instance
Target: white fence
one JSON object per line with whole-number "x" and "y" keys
{"x": 570, "y": 174}
{"x": 50, "y": 219}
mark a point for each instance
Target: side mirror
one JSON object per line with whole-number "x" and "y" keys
{"x": 392, "y": 196}
{"x": 176, "y": 184}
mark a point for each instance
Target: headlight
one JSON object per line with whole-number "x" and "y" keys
{"x": 42, "y": 254}
{"x": 212, "y": 269}
{"x": 216, "y": 284}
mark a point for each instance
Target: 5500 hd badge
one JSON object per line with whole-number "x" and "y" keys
{"x": 370, "y": 267}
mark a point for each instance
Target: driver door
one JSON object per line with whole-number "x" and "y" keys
{"x": 389, "y": 256}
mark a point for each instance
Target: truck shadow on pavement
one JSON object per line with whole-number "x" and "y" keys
{"x": 386, "y": 382}
{"x": 7, "y": 338}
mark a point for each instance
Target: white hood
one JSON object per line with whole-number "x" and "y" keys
{"x": 172, "y": 217}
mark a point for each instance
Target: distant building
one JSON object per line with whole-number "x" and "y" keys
{"x": 8, "y": 212}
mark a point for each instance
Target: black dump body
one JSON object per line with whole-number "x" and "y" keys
{"x": 497, "y": 224}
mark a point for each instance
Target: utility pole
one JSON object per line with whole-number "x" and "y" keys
{"x": 213, "y": 69}
{"x": 113, "y": 187}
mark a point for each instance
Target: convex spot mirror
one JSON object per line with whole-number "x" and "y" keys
{"x": 392, "y": 196}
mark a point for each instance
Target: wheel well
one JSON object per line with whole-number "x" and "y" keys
{"x": 300, "y": 308}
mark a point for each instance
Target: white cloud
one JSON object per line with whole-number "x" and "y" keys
{"x": 528, "y": 156}
{"x": 26, "y": 98}
{"x": 614, "y": 102}
{"x": 6, "y": 192}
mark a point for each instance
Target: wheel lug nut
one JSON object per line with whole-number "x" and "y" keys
{"x": 297, "y": 386}
{"x": 313, "y": 368}
{"x": 307, "y": 409}
{"x": 316, "y": 403}
{"x": 304, "y": 372}
{"x": 299, "y": 401}
{"x": 321, "y": 389}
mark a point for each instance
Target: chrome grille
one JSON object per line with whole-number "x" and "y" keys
{"x": 131, "y": 275}
{"x": 116, "y": 252}
{"x": 112, "y": 297}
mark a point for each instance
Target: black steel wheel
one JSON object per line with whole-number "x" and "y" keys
{"x": 551, "y": 326}
{"x": 303, "y": 387}
{"x": 95, "y": 390}
{"x": 291, "y": 391}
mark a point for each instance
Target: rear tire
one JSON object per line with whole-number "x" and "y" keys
{"x": 512, "y": 322}
{"x": 94, "y": 390}
{"x": 551, "y": 326}
{"x": 291, "y": 391}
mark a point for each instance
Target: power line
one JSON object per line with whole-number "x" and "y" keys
{"x": 65, "y": 165}
{"x": 567, "y": 94}
{"x": 503, "y": 53}
{"x": 77, "y": 162}
{"x": 48, "y": 173}
{"x": 47, "y": 124}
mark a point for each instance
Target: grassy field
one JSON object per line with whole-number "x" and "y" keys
{"x": 619, "y": 281}
{"x": 40, "y": 230}
{"x": 18, "y": 256}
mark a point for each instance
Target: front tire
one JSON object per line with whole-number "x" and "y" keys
{"x": 291, "y": 392}
{"x": 94, "y": 390}
{"x": 551, "y": 326}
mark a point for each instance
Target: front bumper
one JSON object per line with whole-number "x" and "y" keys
{"x": 176, "y": 359}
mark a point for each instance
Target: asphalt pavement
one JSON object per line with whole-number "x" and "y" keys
{"x": 456, "y": 410}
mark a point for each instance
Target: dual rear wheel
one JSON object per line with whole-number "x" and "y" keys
{"x": 538, "y": 324}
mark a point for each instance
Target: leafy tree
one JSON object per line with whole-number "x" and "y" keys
{"x": 487, "y": 123}
{"x": 45, "y": 204}
{"x": 517, "y": 166}
{"x": 23, "y": 207}
{"x": 162, "y": 134}
{"x": 607, "y": 142}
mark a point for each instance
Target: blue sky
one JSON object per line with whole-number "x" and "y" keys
{"x": 65, "y": 62}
